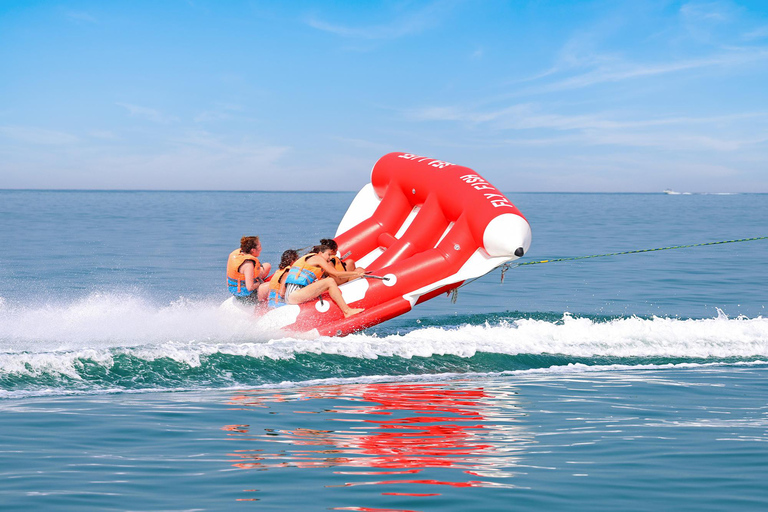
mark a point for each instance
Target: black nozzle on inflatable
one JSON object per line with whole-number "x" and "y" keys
{"x": 519, "y": 252}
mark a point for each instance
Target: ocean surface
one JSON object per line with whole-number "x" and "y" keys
{"x": 633, "y": 382}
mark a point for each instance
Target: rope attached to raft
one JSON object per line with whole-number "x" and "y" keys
{"x": 508, "y": 266}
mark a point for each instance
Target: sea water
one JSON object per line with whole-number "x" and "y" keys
{"x": 634, "y": 382}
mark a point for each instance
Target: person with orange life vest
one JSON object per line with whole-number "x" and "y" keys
{"x": 245, "y": 274}
{"x": 276, "y": 296}
{"x": 306, "y": 279}
{"x": 347, "y": 265}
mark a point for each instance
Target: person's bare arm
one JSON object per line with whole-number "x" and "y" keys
{"x": 248, "y": 269}
{"x": 331, "y": 270}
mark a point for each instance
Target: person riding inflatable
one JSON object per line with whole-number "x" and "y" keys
{"x": 276, "y": 296}
{"x": 335, "y": 260}
{"x": 245, "y": 274}
{"x": 306, "y": 279}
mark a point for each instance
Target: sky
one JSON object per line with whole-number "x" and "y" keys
{"x": 549, "y": 96}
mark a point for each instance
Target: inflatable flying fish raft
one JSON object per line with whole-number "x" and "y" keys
{"x": 423, "y": 227}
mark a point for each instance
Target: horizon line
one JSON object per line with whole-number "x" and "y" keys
{"x": 342, "y": 191}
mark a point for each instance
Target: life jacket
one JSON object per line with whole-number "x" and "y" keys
{"x": 275, "y": 300}
{"x": 235, "y": 278}
{"x": 302, "y": 274}
{"x": 340, "y": 265}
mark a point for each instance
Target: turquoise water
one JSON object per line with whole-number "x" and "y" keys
{"x": 634, "y": 382}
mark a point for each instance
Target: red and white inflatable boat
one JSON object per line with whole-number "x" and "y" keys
{"x": 425, "y": 226}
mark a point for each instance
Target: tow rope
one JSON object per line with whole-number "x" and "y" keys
{"x": 454, "y": 293}
{"x": 640, "y": 250}
{"x": 508, "y": 266}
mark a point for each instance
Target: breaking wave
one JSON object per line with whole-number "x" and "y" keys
{"x": 124, "y": 343}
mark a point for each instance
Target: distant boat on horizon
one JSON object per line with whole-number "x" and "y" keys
{"x": 671, "y": 192}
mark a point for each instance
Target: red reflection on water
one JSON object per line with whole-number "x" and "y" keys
{"x": 369, "y": 509}
{"x": 404, "y": 472}
{"x": 472, "y": 483}
{"x": 412, "y": 494}
{"x": 236, "y": 428}
{"x": 439, "y": 427}
{"x": 434, "y": 427}
{"x": 393, "y": 427}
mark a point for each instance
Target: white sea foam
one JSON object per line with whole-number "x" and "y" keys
{"x": 720, "y": 337}
{"x": 56, "y": 339}
{"x": 104, "y": 321}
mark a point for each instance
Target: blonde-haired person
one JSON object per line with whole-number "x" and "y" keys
{"x": 246, "y": 274}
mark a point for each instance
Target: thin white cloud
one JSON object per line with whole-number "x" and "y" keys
{"x": 709, "y": 30}
{"x": 33, "y": 135}
{"x": 670, "y": 141}
{"x": 364, "y": 144}
{"x": 198, "y": 160}
{"x": 212, "y": 115}
{"x": 637, "y": 172}
{"x": 681, "y": 133}
{"x": 220, "y": 112}
{"x": 612, "y": 69}
{"x": 709, "y": 11}
{"x": 439, "y": 114}
{"x": 203, "y": 139}
{"x": 408, "y": 22}
{"x": 758, "y": 33}
{"x": 667, "y": 141}
{"x": 628, "y": 71}
{"x": 147, "y": 113}
{"x": 103, "y": 135}
{"x": 80, "y": 17}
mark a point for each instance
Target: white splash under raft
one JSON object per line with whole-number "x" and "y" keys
{"x": 426, "y": 226}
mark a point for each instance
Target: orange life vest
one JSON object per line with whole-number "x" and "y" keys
{"x": 235, "y": 278}
{"x": 338, "y": 264}
{"x": 302, "y": 274}
{"x": 275, "y": 300}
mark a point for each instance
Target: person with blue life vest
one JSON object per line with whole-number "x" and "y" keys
{"x": 276, "y": 296}
{"x": 245, "y": 274}
{"x": 307, "y": 279}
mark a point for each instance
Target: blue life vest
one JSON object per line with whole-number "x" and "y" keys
{"x": 275, "y": 300}
{"x": 302, "y": 274}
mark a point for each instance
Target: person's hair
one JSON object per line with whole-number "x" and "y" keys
{"x": 288, "y": 258}
{"x": 249, "y": 242}
{"x": 320, "y": 248}
{"x": 330, "y": 242}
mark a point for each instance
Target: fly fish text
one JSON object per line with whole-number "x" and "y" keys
{"x": 432, "y": 162}
{"x": 497, "y": 200}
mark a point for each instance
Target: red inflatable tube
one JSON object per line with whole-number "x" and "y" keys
{"x": 426, "y": 226}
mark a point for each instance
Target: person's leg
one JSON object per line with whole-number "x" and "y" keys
{"x": 335, "y": 293}
{"x": 263, "y": 291}
{"x": 318, "y": 288}
{"x": 306, "y": 293}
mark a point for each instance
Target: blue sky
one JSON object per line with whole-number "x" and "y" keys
{"x": 535, "y": 96}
